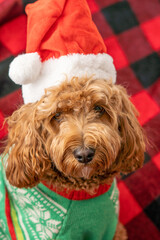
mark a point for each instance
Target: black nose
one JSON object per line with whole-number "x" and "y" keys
{"x": 84, "y": 155}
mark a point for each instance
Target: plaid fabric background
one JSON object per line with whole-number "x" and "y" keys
{"x": 131, "y": 31}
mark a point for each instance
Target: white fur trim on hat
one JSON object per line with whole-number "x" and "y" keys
{"x": 25, "y": 68}
{"x": 55, "y": 70}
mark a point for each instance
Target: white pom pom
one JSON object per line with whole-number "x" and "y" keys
{"x": 25, "y": 68}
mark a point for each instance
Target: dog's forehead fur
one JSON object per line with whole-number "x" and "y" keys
{"x": 77, "y": 95}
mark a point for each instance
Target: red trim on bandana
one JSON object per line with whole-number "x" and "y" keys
{"x": 79, "y": 194}
{"x": 8, "y": 216}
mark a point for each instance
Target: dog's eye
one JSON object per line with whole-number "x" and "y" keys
{"x": 57, "y": 116}
{"x": 99, "y": 109}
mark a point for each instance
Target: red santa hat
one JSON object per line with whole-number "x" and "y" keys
{"x": 62, "y": 41}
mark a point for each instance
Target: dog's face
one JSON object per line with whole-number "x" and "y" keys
{"x": 79, "y": 134}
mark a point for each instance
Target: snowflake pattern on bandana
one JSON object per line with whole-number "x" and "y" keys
{"x": 39, "y": 213}
{"x": 39, "y": 216}
{"x": 115, "y": 198}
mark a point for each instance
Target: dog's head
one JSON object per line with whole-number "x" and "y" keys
{"x": 81, "y": 133}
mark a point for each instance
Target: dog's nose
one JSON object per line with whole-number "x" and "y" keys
{"x": 84, "y": 155}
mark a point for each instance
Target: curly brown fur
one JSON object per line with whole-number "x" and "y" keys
{"x": 43, "y": 136}
{"x": 121, "y": 233}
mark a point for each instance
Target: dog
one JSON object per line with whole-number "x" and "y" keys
{"x": 77, "y": 138}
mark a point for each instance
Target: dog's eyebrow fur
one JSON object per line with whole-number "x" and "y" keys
{"x": 68, "y": 95}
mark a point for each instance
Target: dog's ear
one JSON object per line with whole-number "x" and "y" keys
{"x": 27, "y": 157}
{"x": 131, "y": 154}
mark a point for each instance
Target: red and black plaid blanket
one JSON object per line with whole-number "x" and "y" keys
{"x": 131, "y": 31}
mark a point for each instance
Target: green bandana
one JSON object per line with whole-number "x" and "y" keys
{"x": 41, "y": 214}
